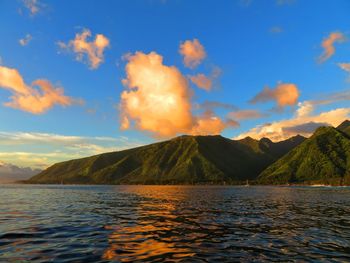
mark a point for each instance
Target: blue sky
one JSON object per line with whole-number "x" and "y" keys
{"x": 253, "y": 44}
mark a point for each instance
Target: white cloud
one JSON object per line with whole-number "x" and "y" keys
{"x": 25, "y": 40}
{"x": 33, "y": 6}
{"x": 40, "y": 150}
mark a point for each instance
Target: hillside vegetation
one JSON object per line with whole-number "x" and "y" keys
{"x": 182, "y": 160}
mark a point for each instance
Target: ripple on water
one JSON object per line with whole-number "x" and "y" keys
{"x": 173, "y": 224}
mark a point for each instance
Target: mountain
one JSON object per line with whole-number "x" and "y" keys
{"x": 10, "y": 173}
{"x": 344, "y": 127}
{"x": 182, "y": 160}
{"x": 324, "y": 158}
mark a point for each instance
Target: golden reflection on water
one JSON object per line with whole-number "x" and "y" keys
{"x": 141, "y": 240}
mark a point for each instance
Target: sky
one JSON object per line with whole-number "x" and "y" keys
{"x": 79, "y": 78}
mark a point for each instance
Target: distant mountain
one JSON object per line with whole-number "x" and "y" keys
{"x": 182, "y": 160}
{"x": 10, "y": 173}
{"x": 324, "y": 158}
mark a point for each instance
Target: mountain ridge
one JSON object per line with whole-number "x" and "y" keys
{"x": 182, "y": 160}
{"x": 323, "y": 158}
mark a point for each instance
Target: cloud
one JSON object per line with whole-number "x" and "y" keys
{"x": 28, "y": 97}
{"x": 204, "y": 82}
{"x": 193, "y": 53}
{"x": 276, "y": 30}
{"x": 25, "y": 41}
{"x": 32, "y": 5}
{"x": 305, "y": 128}
{"x": 158, "y": 100}
{"x": 210, "y": 105}
{"x": 208, "y": 123}
{"x": 285, "y": 94}
{"x": 92, "y": 49}
{"x": 245, "y": 114}
{"x": 345, "y": 66}
{"x": 327, "y": 99}
{"x": 304, "y": 108}
{"x": 40, "y": 150}
{"x": 328, "y": 45}
{"x": 299, "y": 124}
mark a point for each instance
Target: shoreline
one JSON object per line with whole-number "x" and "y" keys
{"x": 185, "y": 185}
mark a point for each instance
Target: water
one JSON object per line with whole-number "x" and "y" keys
{"x": 41, "y": 223}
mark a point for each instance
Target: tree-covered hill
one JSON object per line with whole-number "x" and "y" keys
{"x": 324, "y": 158}
{"x": 182, "y": 160}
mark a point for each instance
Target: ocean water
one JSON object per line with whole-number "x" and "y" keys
{"x": 54, "y": 223}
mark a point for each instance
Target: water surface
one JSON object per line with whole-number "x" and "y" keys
{"x": 48, "y": 223}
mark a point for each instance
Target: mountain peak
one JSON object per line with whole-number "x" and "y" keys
{"x": 265, "y": 140}
{"x": 345, "y": 123}
{"x": 322, "y": 129}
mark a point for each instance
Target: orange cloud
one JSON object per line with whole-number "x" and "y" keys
{"x": 28, "y": 98}
{"x": 193, "y": 53}
{"x": 285, "y": 94}
{"x": 158, "y": 100}
{"x": 208, "y": 123}
{"x": 303, "y": 124}
{"x": 328, "y": 45}
{"x": 202, "y": 81}
{"x": 344, "y": 66}
{"x": 245, "y": 114}
{"x": 93, "y": 49}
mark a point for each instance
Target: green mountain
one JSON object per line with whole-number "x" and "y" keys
{"x": 324, "y": 158}
{"x": 182, "y": 160}
{"x": 344, "y": 127}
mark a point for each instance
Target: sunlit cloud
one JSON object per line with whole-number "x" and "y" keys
{"x": 305, "y": 120}
{"x": 13, "y": 138}
{"x": 328, "y": 45}
{"x": 193, "y": 53}
{"x": 211, "y": 105}
{"x": 330, "y": 98}
{"x": 25, "y": 41}
{"x": 39, "y": 150}
{"x": 33, "y": 6}
{"x": 36, "y": 98}
{"x": 91, "y": 52}
{"x": 303, "y": 124}
{"x": 305, "y": 108}
{"x": 285, "y": 94}
{"x": 245, "y": 114}
{"x": 36, "y": 160}
{"x": 208, "y": 123}
{"x": 158, "y": 100}
{"x": 202, "y": 81}
{"x": 205, "y": 82}
{"x": 344, "y": 66}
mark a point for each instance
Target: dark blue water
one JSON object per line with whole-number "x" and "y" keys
{"x": 173, "y": 224}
